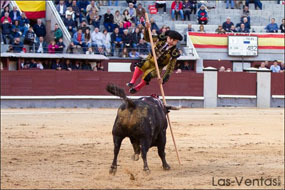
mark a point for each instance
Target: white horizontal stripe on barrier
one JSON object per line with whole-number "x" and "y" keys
{"x": 278, "y": 96}
{"x": 93, "y": 97}
{"x": 236, "y": 96}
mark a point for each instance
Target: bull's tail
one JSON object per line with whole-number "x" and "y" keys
{"x": 117, "y": 91}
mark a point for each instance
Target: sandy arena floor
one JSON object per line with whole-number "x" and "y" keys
{"x": 73, "y": 148}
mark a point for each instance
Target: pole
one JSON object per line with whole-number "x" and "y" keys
{"x": 160, "y": 85}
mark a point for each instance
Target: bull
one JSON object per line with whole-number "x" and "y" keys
{"x": 144, "y": 122}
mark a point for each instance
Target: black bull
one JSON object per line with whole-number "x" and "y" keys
{"x": 144, "y": 122}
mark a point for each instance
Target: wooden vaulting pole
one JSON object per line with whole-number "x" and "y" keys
{"x": 160, "y": 85}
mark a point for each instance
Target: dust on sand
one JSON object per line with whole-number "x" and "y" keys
{"x": 73, "y": 148}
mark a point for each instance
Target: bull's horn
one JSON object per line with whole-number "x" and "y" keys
{"x": 172, "y": 107}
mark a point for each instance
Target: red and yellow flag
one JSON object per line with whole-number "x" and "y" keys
{"x": 213, "y": 40}
{"x": 33, "y": 9}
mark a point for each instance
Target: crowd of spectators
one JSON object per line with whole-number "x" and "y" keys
{"x": 120, "y": 34}
{"x": 60, "y": 65}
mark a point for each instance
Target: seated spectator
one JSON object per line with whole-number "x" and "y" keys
{"x": 220, "y": 30}
{"x": 272, "y": 27}
{"x": 187, "y": 9}
{"x": 57, "y": 33}
{"x": 282, "y": 67}
{"x": 97, "y": 38}
{"x": 201, "y": 29}
{"x": 69, "y": 11}
{"x": 83, "y": 26}
{"x": 60, "y": 45}
{"x": 70, "y": 25}
{"x": 52, "y": 47}
{"x": 33, "y": 64}
{"x": 58, "y": 65}
{"x": 140, "y": 13}
{"x": 30, "y": 38}
{"x": 90, "y": 51}
{"x": 257, "y": 3}
{"x": 154, "y": 33}
{"x": 275, "y": 68}
{"x": 108, "y": 21}
{"x": 88, "y": 39}
{"x": 189, "y": 28}
{"x": 76, "y": 66}
{"x": 132, "y": 1}
{"x": 76, "y": 10}
{"x": 202, "y": 15}
{"x": 94, "y": 18}
{"x": 86, "y": 66}
{"x": 229, "y": 70}
{"x": 79, "y": 40}
{"x": 133, "y": 13}
{"x": 233, "y": 29}
{"x": 262, "y": 66}
{"x": 61, "y": 9}
{"x": 40, "y": 65}
{"x": 135, "y": 36}
{"x": 232, "y": 4}
{"x": 243, "y": 29}
{"x": 185, "y": 66}
{"x": 118, "y": 18}
{"x": 245, "y": 11}
{"x": 125, "y": 53}
{"x": 132, "y": 28}
{"x": 24, "y": 23}
{"x": 6, "y": 26}
{"x": 82, "y": 5}
{"x": 228, "y": 24}
{"x": 245, "y": 22}
{"x": 133, "y": 53}
{"x": 121, "y": 28}
{"x": 100, "y": 50}
{"x": 116, "y": 41}
{"x": 126, "y": 38}
{"x": 40, "y": 29}
{"x": 14, "y": 14}
{"x": 153, "y": 25}
{"x": 107, "y": 41}
{"x": 91, "y": 6}
{"x": 160, "y": 4}
{"x": 17, "y": 46}
{"x": 6, "y": 10}
{"x": 222, "y": 69}
{"x": 99, "y": 67}
{"x": 41, "y": 46}
{"x": 68, "y": 65}
{"x": 177, "y": 8}
{"x": 282, "y": 26}
{"x": 16, "y": 29}
{"x": 127, "y": 19}
{"x": 142, "y": 47}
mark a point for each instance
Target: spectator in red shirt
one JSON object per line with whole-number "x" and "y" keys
{"x": 177, "y": 8}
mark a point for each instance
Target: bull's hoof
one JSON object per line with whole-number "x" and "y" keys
{"x": 146, "y": 170}
{"x": 130, "y": 85}
{"x": 135, "y": 157}
{"x": 113, "y": 170}
{"x": 166, "y": 167}
{"x": 132, "y": 90}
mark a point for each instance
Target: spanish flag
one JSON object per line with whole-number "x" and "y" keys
{"x": 213, "y": 40}
{"x": 33, "y": 9}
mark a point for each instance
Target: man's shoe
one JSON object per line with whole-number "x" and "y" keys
{"x": 132, "y": 90}
{"x": 130, "y": 85}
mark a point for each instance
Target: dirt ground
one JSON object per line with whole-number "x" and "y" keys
{"x": 73, "y": 148}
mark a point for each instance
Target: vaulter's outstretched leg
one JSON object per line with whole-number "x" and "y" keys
{"x": 136, "y": 75}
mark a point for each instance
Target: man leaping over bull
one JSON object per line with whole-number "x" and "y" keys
{"x": 166, "y": 53}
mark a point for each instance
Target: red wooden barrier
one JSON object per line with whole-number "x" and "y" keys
{"x": 277, "y": 84}
{"x": 50, "y": 82}
{"x": 236, "y": 83}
